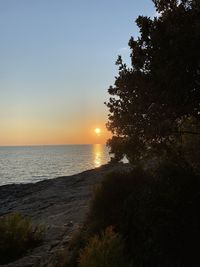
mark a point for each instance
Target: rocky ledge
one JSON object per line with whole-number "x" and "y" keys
{"x": 59, "y": 204}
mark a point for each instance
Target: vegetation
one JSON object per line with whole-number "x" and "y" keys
{"x": 151, "y": 100}
{"x": 108, "y": 201}
{"x": 17, "y": 236}
{"x": 106, "y": 250}
{"x": 156, "y": 214}
{"x": 78, "y": 242}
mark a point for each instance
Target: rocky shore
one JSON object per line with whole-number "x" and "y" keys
{"x": 59, "y": 204}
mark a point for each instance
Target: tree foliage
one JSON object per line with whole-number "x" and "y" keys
{"x": 151, "y": 99}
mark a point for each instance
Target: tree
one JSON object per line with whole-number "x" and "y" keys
{"x": 151, "y": 99}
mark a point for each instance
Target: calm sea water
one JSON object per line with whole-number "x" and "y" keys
{"x": 35, "y": 163}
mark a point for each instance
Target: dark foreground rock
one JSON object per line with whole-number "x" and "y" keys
{"x": 60, "y": 204}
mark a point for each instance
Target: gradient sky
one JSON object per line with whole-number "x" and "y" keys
{"x": 57, "y": 60}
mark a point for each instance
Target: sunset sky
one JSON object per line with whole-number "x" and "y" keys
{"x": 57, "y": 60}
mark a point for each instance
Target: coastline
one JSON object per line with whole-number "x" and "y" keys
{"x": 60, "y": 204}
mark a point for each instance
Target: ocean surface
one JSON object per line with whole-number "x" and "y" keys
{"x": 27, "y": 164}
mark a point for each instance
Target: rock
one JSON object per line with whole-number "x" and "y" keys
{"x": 69, "y": 224}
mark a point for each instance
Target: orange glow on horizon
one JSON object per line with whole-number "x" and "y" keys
{"x": 19, "y": 135}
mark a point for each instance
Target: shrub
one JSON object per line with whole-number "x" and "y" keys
{"x": 108, "y": 199}
{"x": 105, "y": 250}
{"x": 160, "y": 219}
{"x": 157, "y": 213}
{"x": 175, "y": 212}
{"x": 17, "y": 235}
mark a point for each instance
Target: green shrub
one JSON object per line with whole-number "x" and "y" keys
{"x": 105, "y": 250}
{"x": 108, "y": 200}
{"x": 157, "y": 214}
{"x": 17, "y": 235}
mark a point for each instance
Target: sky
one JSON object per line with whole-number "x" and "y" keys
{"x": 57, "y": 60}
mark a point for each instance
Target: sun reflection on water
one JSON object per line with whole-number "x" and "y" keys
{"x": 97, "y": 155}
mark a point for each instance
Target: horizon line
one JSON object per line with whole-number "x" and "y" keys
{"x": 31, "y": 145}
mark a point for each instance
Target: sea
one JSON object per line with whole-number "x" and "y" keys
{"x": 30, "y": 164}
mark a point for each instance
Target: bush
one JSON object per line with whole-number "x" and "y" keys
{"x": 105, "y": 250}
{"x": 174, "y": 212}
{"x": 17, "y": 235}
{"x": 108, "y": 200}
{"x": 157, "y": 214}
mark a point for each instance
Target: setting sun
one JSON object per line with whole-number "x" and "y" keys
{"x": 97, "y": 131}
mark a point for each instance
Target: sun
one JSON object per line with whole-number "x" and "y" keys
{"x": 97, "y": 131}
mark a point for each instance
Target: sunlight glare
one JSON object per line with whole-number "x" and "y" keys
{"x": 97, "y": 153}
{"x": 97, "y": 131}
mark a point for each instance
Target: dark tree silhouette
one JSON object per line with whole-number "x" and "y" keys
{"x": 151, "y": 100}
